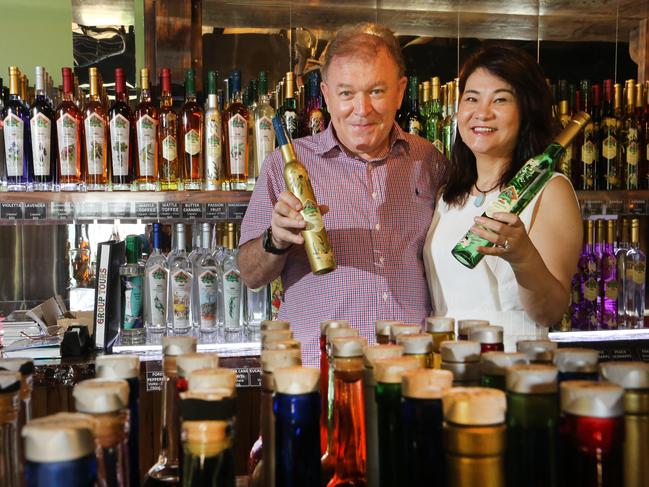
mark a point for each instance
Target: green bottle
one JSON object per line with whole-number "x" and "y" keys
{"x": 520, "y": 190}
{"x": 435, "y": 117}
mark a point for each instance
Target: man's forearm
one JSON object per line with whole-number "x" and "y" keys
{"x": 257, "y": 266}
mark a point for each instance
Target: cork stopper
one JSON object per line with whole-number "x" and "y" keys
{"x": 463, "y": 326}
{"x": 486, "y": 334}
{"x": 383, "y": 327}
{"x": 297, "y": 380}
{"x": 275, "y": 359}
{"x": 390, "y": 370}
{"x": 348, "y": 347}
{"x": 212, "y": 379}
{"x": 416, "y": 344}
{"x": 273, "y": 335}
{"x": 592, "y": 399}
{"x": 97, "y": 396}
{"x": 461, "y": 351}
{"x": 425, "y": 383}
{"x": 340, "y": 332}
{"x": 290, "y": 344}
{"x": 576, "y": 359}
{"x": 629, "y": 375}
{"x": 268, "y": 325}
{"x": 58, "y": 438}
{"x": 497, "y": 363}
{"x": 537, "y": 350}
{"x": 440, "y": 324}
{"x": 474, "y": 406}
{"x": 117, "y": 367}
{"x": 532, "y": 379}
{"x": 188, "y": 362}
{"x": 24, "y": 365}
{"x": 177, "y": 345}
{"x": 9, "y": 381}
{"x": 403, "y": 329}
{"x": 378, "y": 352}
{"x": 325, "y": 325}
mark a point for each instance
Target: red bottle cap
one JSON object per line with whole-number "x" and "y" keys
{"x": 165, "y": 75}
{"x": 120, "y": 85}
{"x": 68, "y": 84}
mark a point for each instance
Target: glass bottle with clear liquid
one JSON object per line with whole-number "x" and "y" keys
{"x": 179, "y": 291}
{"x": 264, "y": 133}
{"x": 155, "y": 286}
{"x": 620, "y": 259}
{"x": 635, "y": 279}
{"x": 206, "y": 285}
{"x": 232, "y": 286}
{"x": 257, "y": 307}
{"x": 213, "y": 137}
{"x": 131, "y": 277}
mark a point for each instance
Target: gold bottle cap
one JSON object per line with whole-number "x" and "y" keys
{"x": 416, "y": 343}
{"x": 617, "y": 97}
{"x": 188, "y": 362}
{"x": 297, "y": 380}
{"x": 629, "y": 375}
{"x": 576, "y": 360}
{"x": 290, "y": 85}
{"x": 440, "y": 324}
{"x": 212, "y": 379}
{"x": 592, "y": 399}
{"x": 24, "y": 365}
{"x": 486, "y": 334}
{"x": 563, "y": 108}
{"x": 144, "y": 78}
{"x": 460, "y": 351}
{"x": 379, "y": 352}
{"x": 532, "y": 379}
{"x": 425, "y": 383}
{"x": 570, "y": 131}
{"x": 275, "y": 325}
{"x": 610, "y": 231}
{"x": 390, "y": 370}
{"x": 59, "y": 438}
{"x": 272, "y": 335}
{"x": 463, "y": 326}
{"x": 348, "y": 347}
{"x": 635, "y": 230}
{"x": 9, "y": 379}
{"x": 275, "y": 359}
{"x": 474, "y": 406}
{"x": 325, "y": 325}
{"x": 289, "y": 344}
{"x": 537, "y": 350}
{"x": 174, "y": 346}
{"x": 402, "y": 329}
{"x": 340, "y": 332}
{"x": 496, "y": 363}
{"x": 117, "y": 367}
{"x": 97, "y": 396}
{"x": 383, "y": 327}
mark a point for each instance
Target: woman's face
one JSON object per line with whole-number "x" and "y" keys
{"x": 488, "y": 116}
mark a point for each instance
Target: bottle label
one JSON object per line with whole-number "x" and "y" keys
{"x": 636, "y": 272}
{"x": 588, "y": 147}
{"x": 181, "y": 286}
{"x": 67, "y": 131}
{"x": 212, "y": 146}
{"x": 610, "y": 290}
{"x": 414, "y": 127}
{"x": 157, "y": 286}
{"x": 231, "y": 298}
{"x": 632, "y": 151}
{"x": 609, "y": 144}
{"x": 316, "y": 122}
{"x": 95, "y": 144}
{"x": 509, "y": 197}
{"x": 208, "y": 294}
{"x": 566, "y": 162}
{"x": 133, "y": 302}
{"x": 264, "y": 139}
{"x": 169, "y": 148}
{"x": 120, "y": 128}
{"x": 192, "y": 142}
{"x": 147, "y": 145}
{"x": 590, "y": 290}
{"x": 290, "y": 121}
{"x": 312, "y": 216}
{"x": 41, "y": 144}
{"x": 439, "y": 145}
{"x": 14, "y": 133}
{"x": 238, "y": 139}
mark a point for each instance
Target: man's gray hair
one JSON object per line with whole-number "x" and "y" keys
{"x": 364, "y": 40}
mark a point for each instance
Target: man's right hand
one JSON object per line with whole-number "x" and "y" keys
{"x": 287, "y": 222}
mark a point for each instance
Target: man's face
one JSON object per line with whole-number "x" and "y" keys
{"x": 363, "y": 96}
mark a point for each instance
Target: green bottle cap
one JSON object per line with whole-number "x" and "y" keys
{"x": 190, "y": 82}
{"x": 133, "y": 249}
{"x": 211, "y": 82}
{"x": 262, "y": 84}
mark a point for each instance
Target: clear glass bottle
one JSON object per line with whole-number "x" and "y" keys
{"x": 235, "y": 134}
{"x": 146, "y": 131}
{"x": 95, "y": 124}
{"x": 15, "y": 117}
{"x": 635, "y": 279}
{"x": 132, "y": 283}
{"x": 155, "y": 286}
{"x": 608, "y": 281}
{"x": 257, "y": 307}
{"x": 232, "y": 300}
{"x": 43, "y": 136}
{"x": 179, "y": 291}
{"x": 9, "y": 406}
{"x": 213, "y": 137}
{"x": 206, "y": 286}
{"x": 264, "y": 132}
{"x": 620, "y": 262}
{"x": 169, "y": 169}
{"x": 191, "y": 136}
{"x": 120, "y": 126}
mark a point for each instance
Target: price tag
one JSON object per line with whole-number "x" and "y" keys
{"x": 146, "y": 210}
{"x": 216, "y": 211}
{"x": 35, "y": 211}
{"x": 248, "y": 377}
{"x": 592, "y": 207}
{"x": 237, "y": 210}
{"x": 154, "y": 375}
{"x": 621, "y": 354}
{"x": 644, "y": 354}
{"x": 191, "y": 211}
{"x": 91, "y": 210}
{"x": 62, "y": 211}
{"x": 169, "y": 209}
{"x": 11, "y": 211}
{"x": 615, "y": 207}
{"x": 119, "y": 210}
{"x": 637, "y": 207}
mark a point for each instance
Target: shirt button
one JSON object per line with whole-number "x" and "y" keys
{"x": 381, "y": 260}
{"x": 385, "y": 296}
{"x": 377, "y": 227}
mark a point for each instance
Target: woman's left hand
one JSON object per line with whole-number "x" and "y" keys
{"x": 508, "y": 235}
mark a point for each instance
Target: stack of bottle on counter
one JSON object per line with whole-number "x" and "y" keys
{"x": 63, "y": 140}
{"x": 184, "y": 291}
{"x": 608, "y": 290}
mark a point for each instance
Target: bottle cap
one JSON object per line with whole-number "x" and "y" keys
{"x": 425, "y": 383}
{"x": 117, "y": 367}
{"x": 96, "y": 396}
{"x": 416, "y": 344}
{"x": 592, "y": 399}
{"x": 474, "y": 406}
{"x": 403, "y": 329}
{"x": 188, "y": 362}
{"x": 532, "y": 379}
{"x": 629, "y": 375}
{"x": 486, "y": 334}
{"x": 24, "y": 365}
{"x": 460, "y": 351}
{"x": 275, "y": 325}
{"x": 576, "y": 359}
{"x": 275, "y": 359}
{"x": 378, "y": 352}
{"x": 383, "y": 327}
{"x": 440, "y": 324}
{"x": 211, "y": 379}
{"x": 463, "y": 326}
{"x": 173, "y": 346}
{"x": 133, "y": 249}
{"x": 58, "y": 438}
{"x": 9, "y": 381}
{"x": 390, "y": 370}
{"x": 272, "y": 335}
{"x": 537, "y": 350}
{"x": 496, "y": 363}
{"x": 347, "y": 347}
{"x": 297, "y": 380}
{"x": 282, "y": 345}
{"x": 325, "y": 325}
{"x": 340, "y": 332}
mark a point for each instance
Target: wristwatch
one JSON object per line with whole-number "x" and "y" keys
{"x": 267, "y": 242}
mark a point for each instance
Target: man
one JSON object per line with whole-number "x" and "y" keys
{"x": 378, "y": 187}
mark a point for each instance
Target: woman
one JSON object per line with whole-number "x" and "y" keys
{"x": 523, "y": 282}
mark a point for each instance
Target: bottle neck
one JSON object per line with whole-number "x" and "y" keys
{"x": 170, "y": 448}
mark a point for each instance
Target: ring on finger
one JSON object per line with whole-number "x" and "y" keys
{"x": 506, "y": 246}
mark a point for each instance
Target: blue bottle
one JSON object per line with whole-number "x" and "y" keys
{"x": 17, "y": 142}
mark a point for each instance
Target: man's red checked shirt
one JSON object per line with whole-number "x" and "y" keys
{"x": 379, "y": 214}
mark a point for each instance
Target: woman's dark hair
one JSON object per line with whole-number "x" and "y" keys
{"x": 534, "y": 99}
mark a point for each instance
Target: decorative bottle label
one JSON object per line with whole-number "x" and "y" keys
{"x": 316, "y": 122}
{"x": 264, "y": 138}
{"x": 147, "y": 145}
{"x": 67, "y": 130}
{"x": 414, "y": 127}
{"x": 181, "y": 294}
{"x": 290, "y": 119}
{"x": 169, "y": 148}
{"x": 632, "y": 157}
{"x": 192, "y": 142}
{"x": 212, "y": 146}
{"x": 231, "y": 298}
{"x": 14, "y": 133}
{"x": 120, "y": 128}
{"x": 238, "y": 138}
{"x": 588, "y": 157}
{"x": 95, "y": 143}
{"x": 41, "y": 127}
{"x": 208, "y": 294}
{"x": 157, "y": 286}
{"x": 133, "y": 302}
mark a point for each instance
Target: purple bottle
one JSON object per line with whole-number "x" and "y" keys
{"x": 588, "y": 318}
{"x": 608, "y": 289}
{"x": 15, "y": 118}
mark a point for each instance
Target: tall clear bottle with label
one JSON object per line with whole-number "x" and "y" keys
{"x": 169, "y": 170}
{"x": 146, "y": 136}
{"x": 15, "y": 120}
{"x": 235, "y": 125}
{"x": 132, "y": 277}
{"x": 95, "y": 124}
{"x": 191, "y": 136}
{"x": 206, "y": 286}
{"x": 120, "y": 126}
{"x": 264, "y": 139}
{"x": 213, "y": 137}
{"x": 69, "y": 123}
{"x": 155, "y": 286}
{"x": 630, "y": 139}
{"x": 232, "y": 286}
{"x": 179, "y": 291}
{"x": 43, "y": 135}
{"x": 635, "y": 279}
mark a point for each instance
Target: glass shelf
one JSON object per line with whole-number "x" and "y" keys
{"x": 614, "y": 202}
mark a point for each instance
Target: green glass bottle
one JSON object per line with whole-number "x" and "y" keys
{"x": 435, "y": 117}
{"x": 411, "y": 120}
{"x": 520, "y": 190}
